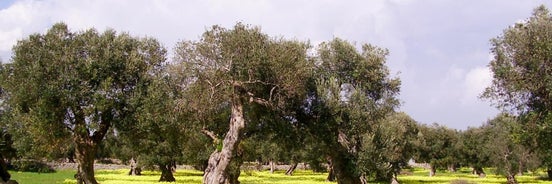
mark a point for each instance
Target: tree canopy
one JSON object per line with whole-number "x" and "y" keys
{"x": 78, "y": 84}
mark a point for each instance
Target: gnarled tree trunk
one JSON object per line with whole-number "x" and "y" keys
{"x": 511, "y": 179}
{"x": 394, "y": 180}
{"x": 342, "y": 169}
{"x": 331, "y": 174}
{"x": 479, "y": 172}
{"x": 4, "y": 175}
{"x": 85, "y": 151}
{"x": 291, "y": 168}
{"x": 234, "y": 168}
{"x": 134, "y": 169}
{"x": 217, "y": 168}
{"x": 451, "y": 168}
{"x": 166, "y": 173}
{"x": 271, "y": 165}
{"x": 432, "y": 170}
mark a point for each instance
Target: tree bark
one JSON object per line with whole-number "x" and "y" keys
{"x": 451, "y": 168}
{"x": 291, "y": 168}
{"x": 216, "y": 171}
{"x": 394, "y": 180}
{"x": 479, "y": 172}
{"x": 331, "y": 174}
{"x": 166, "y": 173}
{"x": 85, "y": 149}
{"x": 342, "y": 167}
{"x": 134, "y": 169}
{"x": 4, "y": 175}
{"x": 271, "y": 165}
{"x": 432, "y": 170}
{"x": 234, "y": 170}
{"x": 511, "y": 179}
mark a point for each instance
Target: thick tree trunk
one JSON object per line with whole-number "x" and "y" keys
{"x": 394, "y": 180}
{"x": 216, "y": 171}
{"x": 451, "y": 168}
{"x": 166, "y": 173}
{"x": 85, "y": 150}
{"x": 4, "y": 175}
{"x": 134, "y": 169}
{"x": 331, "y": 174}
{"x": 479, "y": 172}
{"x": 511, "y": 179}
{"x": 271, "y": 165}
{"x": 291, "y": 168}
{"x": 234, "y": 169}
{"x": 549, "y": 172}
{"x": 343, "y": 169}
{"x": 432, "y": 170}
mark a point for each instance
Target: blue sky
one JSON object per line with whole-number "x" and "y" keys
{"x": 439, "y": 48}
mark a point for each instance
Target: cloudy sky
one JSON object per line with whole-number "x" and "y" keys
{"x": 439, "y": 48}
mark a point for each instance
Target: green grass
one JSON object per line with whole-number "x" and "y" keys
{"x": 418, "y": 175}
{"x": 412, "y": 176}
{"x": 39, "y": 178}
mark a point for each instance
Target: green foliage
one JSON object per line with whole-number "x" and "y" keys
{"x": 473, "y": 150}
{"x": 390, "y": 146}
{"x": 521, "y": 77}
{"x": 506, "y": 153}
{"x": 521, "y": 64}
{"x": 68, "y": 86}
{"x": 31, "y": 166}
{"x": 437, "y": 145}
{"x": 349, "y": 94}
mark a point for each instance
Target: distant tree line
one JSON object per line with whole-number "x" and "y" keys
{"x": 237, "y": 95}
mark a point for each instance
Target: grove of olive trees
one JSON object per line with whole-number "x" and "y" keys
{"x": 237, "y": 95}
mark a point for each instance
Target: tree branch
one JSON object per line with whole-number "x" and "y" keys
{"x": 100, "y": 133}
{"x": 210, "y": 134}
{"x": 258, "y": 100}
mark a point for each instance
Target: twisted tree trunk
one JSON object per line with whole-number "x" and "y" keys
{"x": 135, "y": 170}
{"x": 86, "y": 146}
{"x": 219, "y": 161}
{"x": 166, "y": 173}
{"x": 4, "y": 175}
{"x": 85, "y": 150}
{"x": 432, "y": 170}
{"x": 291, "y": 168}
{"x": 479, "y": 171}
{"x": 331, "y": 174}
{"x": 342, "y": 169}
{"x": 271, "y": 165}
{"x": 511, "y": 179}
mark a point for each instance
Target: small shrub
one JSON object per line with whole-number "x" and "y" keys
{"x": 32, "y": 166}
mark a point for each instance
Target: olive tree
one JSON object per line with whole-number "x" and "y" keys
{"x": 350, "y": 92}
{"x": 239, "y": 69}
{"x": 522, "y": 76}
{"x": 388, "y": 147}
{"x": 78, "y": 84}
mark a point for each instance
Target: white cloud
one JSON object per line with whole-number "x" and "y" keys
{"x": 477, "y": 79}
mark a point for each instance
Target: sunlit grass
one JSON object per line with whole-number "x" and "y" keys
{"x": 418, "y": 175}
{"x": 42, "y": 178}
{"x": 410, "y": 176}
{"x": 191, "y": 177}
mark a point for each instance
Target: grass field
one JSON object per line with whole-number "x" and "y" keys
{"x": 412, "y": 176}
